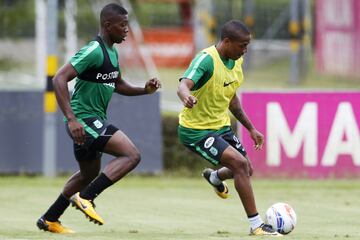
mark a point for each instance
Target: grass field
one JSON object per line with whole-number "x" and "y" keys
{"x": 151, "y": 208}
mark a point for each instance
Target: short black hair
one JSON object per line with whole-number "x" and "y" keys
{"x": 232, "y": 29}
{"x": 111, "y": 10}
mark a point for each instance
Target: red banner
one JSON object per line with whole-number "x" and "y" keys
{"x": 170, "y": 47}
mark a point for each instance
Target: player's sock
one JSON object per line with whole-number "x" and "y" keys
{"x": 96, "y": 187}
{"x": 57, "y": 208}
{"x": 214, "y": 178}
{"x": 255, "y": 221}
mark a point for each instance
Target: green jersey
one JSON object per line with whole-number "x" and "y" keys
{"x": 97, "y": 66}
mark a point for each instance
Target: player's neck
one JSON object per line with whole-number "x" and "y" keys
{"x": 106, "y": 40}
{"x": 220, "y": 48}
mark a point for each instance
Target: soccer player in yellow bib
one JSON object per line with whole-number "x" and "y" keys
{"x": 207, "y": 90}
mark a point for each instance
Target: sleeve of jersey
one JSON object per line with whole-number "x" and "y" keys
{"x": 87, "y": 57}
{"x": 200, "y": 67}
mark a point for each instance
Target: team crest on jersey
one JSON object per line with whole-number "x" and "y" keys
{"x": 213, "y": 151}
{"x": 98, "y": 124}
{"x": 109, "y": 84}
{"x": 209, "y": 142}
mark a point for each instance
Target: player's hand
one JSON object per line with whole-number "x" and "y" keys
{"x": 152, "y": 85}
{"x": 258, "y": 139}
{"x": 189, "y": 101}
{"x": 77, "y": 131}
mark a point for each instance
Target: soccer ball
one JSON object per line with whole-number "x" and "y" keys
{"x": 282, "y": 217}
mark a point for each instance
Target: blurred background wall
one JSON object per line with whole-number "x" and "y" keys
{"x": 303, "y": 53}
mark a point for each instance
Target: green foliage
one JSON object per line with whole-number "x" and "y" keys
{"x": 157, "y": 13}
{"x": 86, "y": 20}
{"x": 17, "y": 19}
{"x": 264, "y": 14}
{"x": 6, "y": 64}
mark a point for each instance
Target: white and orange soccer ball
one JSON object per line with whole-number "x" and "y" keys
{"x": 282, "y": 217}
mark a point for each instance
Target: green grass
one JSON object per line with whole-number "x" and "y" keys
{"x": 151, "y": 208}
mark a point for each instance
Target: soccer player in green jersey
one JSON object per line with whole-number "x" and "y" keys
{"x": 96, "y": 70}
{"x": 207, "y": 91}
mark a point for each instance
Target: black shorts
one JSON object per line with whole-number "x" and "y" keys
{"x": 97, "y": 133}
{"x": 212, "y": 146}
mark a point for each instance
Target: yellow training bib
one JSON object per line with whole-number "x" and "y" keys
{"x": 211, "y": 110}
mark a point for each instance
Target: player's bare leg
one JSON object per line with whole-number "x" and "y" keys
{"x": 127, "y": 157}
{"x": 241, "y": 169}
{"x": 217, "y": 178}
{"x": 224, "y": 173}
{"x": 89, "y": 170}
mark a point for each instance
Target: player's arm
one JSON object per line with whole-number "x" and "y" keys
{"x": 124, "y": 88}
{"x": 199, "y": 71}
{"x": 184, "y": 93}
{"x": 60, "y": 80}
{"x": 238, "y": 112}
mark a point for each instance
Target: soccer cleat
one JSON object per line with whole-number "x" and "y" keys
{"x": 54, "y": 227}
{"x": 265, "y": 230}
{"x": 87, "y": 207}
{"x": 221, "y": 190}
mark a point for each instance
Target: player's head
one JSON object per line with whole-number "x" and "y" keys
{"x": 235, "y": 37}
{"x": 114, "y": 22}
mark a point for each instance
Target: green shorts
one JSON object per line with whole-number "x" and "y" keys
{"x": 212, "y": 146}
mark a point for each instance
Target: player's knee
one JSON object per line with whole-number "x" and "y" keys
{"x": 240, "y": 166}
{"x": 134, "y": 158}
